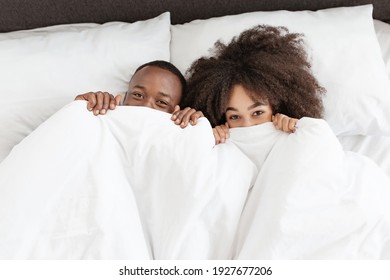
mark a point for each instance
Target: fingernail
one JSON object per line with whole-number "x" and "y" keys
{"x": 174, "y": 117}
{"x": 103, "y": 111}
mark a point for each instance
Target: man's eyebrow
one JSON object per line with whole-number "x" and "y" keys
{"x": 138, "y": 86}
{"x": 165, "y": 94}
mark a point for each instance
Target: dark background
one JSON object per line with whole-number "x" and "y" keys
{"x": 27, "y": 14}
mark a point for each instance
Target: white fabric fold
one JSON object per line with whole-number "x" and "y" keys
{"x": 311, "y": 199}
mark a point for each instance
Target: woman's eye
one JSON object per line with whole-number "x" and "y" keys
{"x": 234, "y": 117}
{"x": 258, "y": 113}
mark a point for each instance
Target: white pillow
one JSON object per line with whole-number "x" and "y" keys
{"x": 382, "y": 30}
{"x": 345, "y": 55}
{"x": 43, "y": 69}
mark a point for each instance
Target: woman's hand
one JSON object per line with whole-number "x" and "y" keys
{"x": 185, "y": 116}
{"x": 284, "y": 123}
{"x": 221, "y": 133}
{"x": 99, "y": 102}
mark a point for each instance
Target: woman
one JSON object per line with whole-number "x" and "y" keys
{"x": 262, "y": 75}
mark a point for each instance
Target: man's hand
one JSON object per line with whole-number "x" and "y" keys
{"x": 99, "y": 102}
{"x": 185, "y": 116}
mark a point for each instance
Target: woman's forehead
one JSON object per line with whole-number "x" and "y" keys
{"x": 241, "y": 91}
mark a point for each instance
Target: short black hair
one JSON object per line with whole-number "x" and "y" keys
{"x": 171, "y": 68}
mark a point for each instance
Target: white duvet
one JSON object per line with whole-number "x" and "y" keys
{"x": 132, "y": 185}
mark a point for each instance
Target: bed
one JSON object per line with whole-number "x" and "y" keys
{"x": 76, "y": 186}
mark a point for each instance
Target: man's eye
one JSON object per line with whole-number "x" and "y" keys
{"x": 258, "y": 113}
{"x": 137, "y": 95}
{"x": 162, "y": 103}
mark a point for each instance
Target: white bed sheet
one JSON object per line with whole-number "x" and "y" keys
{"x": 377, "y": 148}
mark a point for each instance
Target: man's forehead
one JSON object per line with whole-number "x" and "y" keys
{"x": 152, "y": 72}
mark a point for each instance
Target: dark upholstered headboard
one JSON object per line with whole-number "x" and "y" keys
{"x": 27, "y": 14}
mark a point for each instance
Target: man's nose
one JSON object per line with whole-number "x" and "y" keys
{"x": 149, "y": 102}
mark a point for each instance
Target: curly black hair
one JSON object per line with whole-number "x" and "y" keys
{"x": 269, "y": 62}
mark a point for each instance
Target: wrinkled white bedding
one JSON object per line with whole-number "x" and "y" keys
{"x": 132, "y": 185}
{"x": 129, "y": 185}
{"x": 311, "y": 199}
{"x": 376, "y": 147}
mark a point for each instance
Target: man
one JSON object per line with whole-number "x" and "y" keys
{"x": 157, "y": 84}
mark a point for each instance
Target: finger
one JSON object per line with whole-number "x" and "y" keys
{"x": 286, "y": 124}
{"x": 221, "y": 133}
{"x": 175, "y": 111}
{"x": 216, "y": 136}
{"x": 186, "y": 117}
{"x": 275, "y": 120}
{"x": 112, "y": 102}
{"x": 91, "y": 101}
{"x": 180, "y": 114}
{"x": 292, "y": 125}
{"x": 226, "y": 131}
{"x": 118, "y": 99}
{"x": 99, "y": 102}
{"x": 81, "y": 97}
{"x": 194, "y": 119}
{"x": 195, "y": 116}
{"x": 279, "y": 121}
{"x": 106, "y": 102}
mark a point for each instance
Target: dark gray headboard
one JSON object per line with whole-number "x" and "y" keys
{"x": 27, "y": 14}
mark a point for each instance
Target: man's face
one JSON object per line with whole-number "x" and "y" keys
{"x": 155, "y": 88}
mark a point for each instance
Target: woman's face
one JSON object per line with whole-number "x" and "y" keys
{"x": 243, "y": 111}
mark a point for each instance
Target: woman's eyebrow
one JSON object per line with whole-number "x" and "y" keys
{"x": 231, "y": 109}
{"x": 254, "y": 105}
